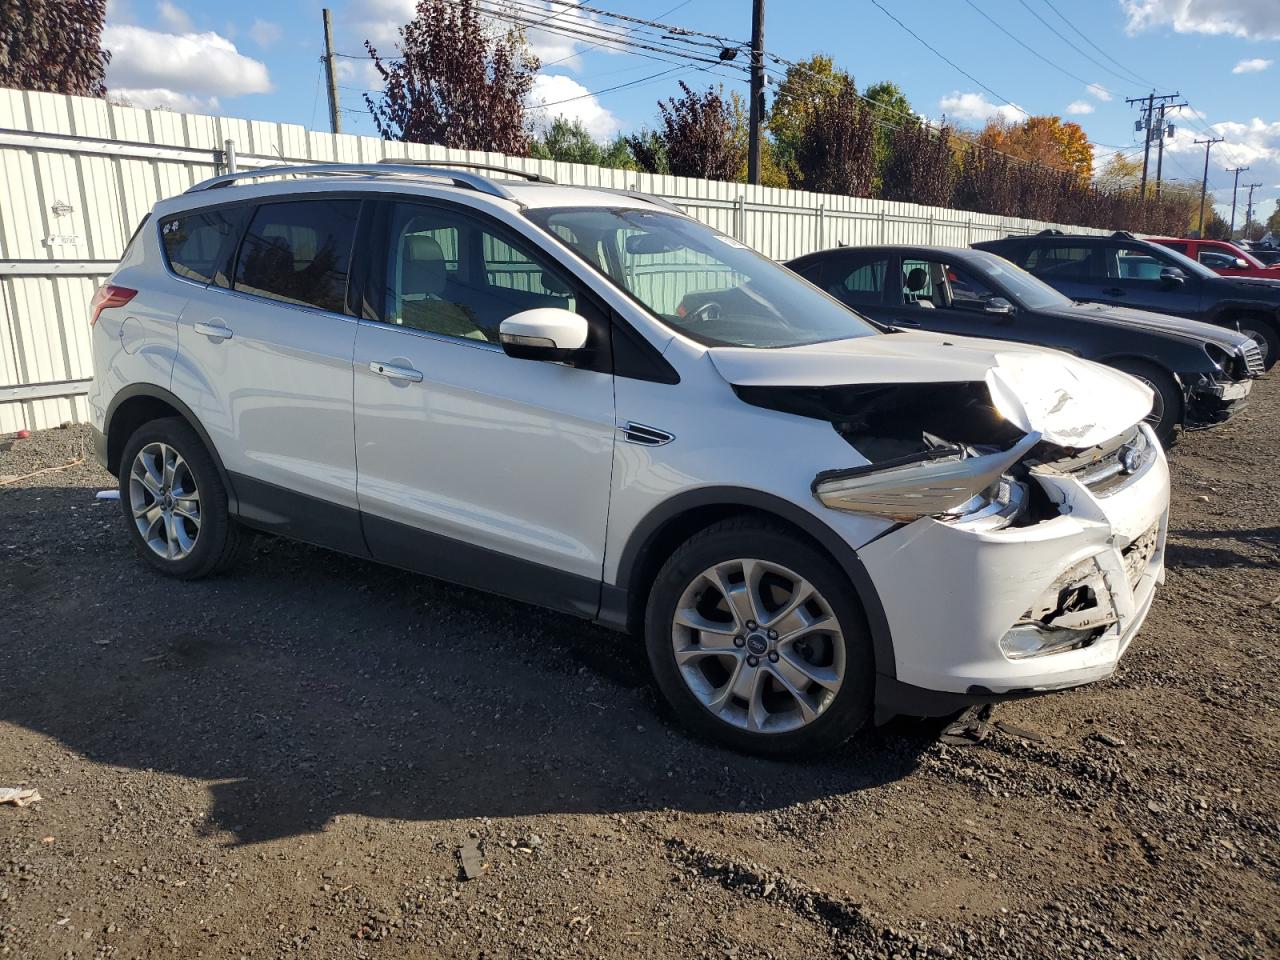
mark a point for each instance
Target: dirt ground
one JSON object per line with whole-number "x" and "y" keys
{"x": 287, "y": 762}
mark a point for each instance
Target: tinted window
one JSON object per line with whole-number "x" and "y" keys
{"x": 193, "y": 242}
{"x": 861, "y": 283}
{"x": 299, "y": 252}
{"x": 1050, "y": 260}
{"x": 449, "y": 274}
{"x": 1172, "y": 245}
{"x": 1216, "y": 260}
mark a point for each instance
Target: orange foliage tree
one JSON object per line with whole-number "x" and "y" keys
{"x": 1043, "y": 140}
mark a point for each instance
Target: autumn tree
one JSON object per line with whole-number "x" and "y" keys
{"x": 1217, "y": 228}
{"x": 697, "y": 133}
{"x": 1043, "y": 140}
{"x": 457, "y": 83}
{"x": 804, "y": 84}
{"x": 1120, "y": 173}
{"x": 1273, "y": 222}
{"x": 835, "y": 152}
{"x": 568, "y": 141}
{"x": 54, "y": 46}
{"x": 918, "y": 164}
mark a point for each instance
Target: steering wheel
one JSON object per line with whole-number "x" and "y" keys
{"x": 708, "y": 312}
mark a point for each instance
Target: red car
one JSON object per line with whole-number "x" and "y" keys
{"x": 1222, "y": 257}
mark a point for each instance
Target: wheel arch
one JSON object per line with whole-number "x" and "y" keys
{"x": 660, "y": 533}
{"x": 141, "y": 403}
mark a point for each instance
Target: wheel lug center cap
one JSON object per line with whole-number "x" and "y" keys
{"x": 758, "y": 644}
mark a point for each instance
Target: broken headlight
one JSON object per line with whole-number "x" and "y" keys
{"x": 945, "y": 482}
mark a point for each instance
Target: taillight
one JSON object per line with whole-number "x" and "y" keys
{"x": 108, "y": 295}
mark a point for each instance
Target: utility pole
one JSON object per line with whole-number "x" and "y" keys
{"x": 1148, "y": 108}
{"x": 1248, "y": 210}
{"x": 1204, "y": 183}
{"x": 1235, "y": 190}
{"x": 756, "y": 113}
{"x": 1160, "y": 132}
{"x": 335, "y": 117}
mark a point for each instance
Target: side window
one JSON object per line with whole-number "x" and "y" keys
{"x": 861, "y": 284}
{"x": 1180, "y": 247}
{"x": 918, "y": 282}
{"x": 1216, "y": 261}
{"x": 299, "y": 252}
{"x": 449, "y": 274}
{"x": 1132, "y": 263}
{"x": 193, "y": 242}
{"x": 967, "y": 290}
{"x": 1052, "y": 260}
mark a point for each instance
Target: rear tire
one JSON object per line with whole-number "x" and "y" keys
{"x": 1167, "y": 409}
{"x": 783, "y": 670}
{"x": 175, "y": 504}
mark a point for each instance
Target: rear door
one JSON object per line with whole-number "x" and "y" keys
{"x": 474, "y": 466}
{"x": 265, "y": 364}
{"x": 1071, "y": 269}
{"x": 1131, "y": 278}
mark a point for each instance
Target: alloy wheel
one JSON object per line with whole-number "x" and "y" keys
{"x": 164, "y": 501}
{"x": 758, "y": 646}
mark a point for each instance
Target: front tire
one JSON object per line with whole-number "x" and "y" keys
{"x": 174, "y": 502}
{"x": 1166, "y": 414}
{"x": 756, "y": 639}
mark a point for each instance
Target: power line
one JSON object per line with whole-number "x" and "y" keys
{"x": 593, "y": 46}
{"x": 1058, "y": 33}
{"x": 999, "y": 26}
{"x": 941, "y": 56}
{"x": 1087, "y": 39}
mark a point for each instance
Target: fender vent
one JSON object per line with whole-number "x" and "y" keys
{"x": 645, "y": 436}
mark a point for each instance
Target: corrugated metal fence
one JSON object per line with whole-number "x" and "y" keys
{"x": 77, "y": 174}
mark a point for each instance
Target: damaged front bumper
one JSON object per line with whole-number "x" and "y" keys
{"x": 978, "y": 614}
{"x": 1209, "y": 402}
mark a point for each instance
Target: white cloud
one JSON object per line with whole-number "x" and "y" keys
{"x": 378, "y": 21}
{"x": 1079, "y": 107}
{"x": 1099, "y": 92}
{"x": 555, "y": 95}
{"x": 1256, "y": 65}
{"x": 1248, "y": 19}
{"x": 159, "y": 97}
{"x": 263, "y": 32}
{"x": 165, "y": 68}
{"x": 174, "y": 17}
{"x": 1247, "y": 143}
{"x": 975, "y": 108}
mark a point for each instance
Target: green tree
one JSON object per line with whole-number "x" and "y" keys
{"x": 1273, "y": 222}
{"x": 568, "y": 141}
{"x": 54, "y": 46}
{"x": 804, "y": 84}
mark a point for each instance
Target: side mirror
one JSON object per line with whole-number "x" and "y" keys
{"x": 1172, "y": 277}
{"x": 1241, "y": 263}
{"x": 999, "y": 306}
{"x": 545, "y": 333}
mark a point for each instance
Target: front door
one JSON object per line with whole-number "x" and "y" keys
{"x": 474, "y": 466}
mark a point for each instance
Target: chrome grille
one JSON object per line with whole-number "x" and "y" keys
{"x": 1107, "y": 467}
{"x": 1252, "y": 356}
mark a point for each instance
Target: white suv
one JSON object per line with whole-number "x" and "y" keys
{"x": 584, "y": 399}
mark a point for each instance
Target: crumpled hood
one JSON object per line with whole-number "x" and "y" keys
{"x": 1070, "y": 402}
{"x": 1181, "y": 327}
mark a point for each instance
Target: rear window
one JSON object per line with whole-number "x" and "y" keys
{"x": 299, "y": 252}
{"x": 193, "y": 242}
{"x": 1049, "y": 260}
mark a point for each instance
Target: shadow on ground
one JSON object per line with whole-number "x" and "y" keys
{"x": 1256, "y": 547}
{"x": 307, "y": 684}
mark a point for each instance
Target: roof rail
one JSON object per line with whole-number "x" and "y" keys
{"x": 473, "y": 181}
{"x": 468, "y": 165}
{"x": 640, "y": 195}
{"x": 1123, "y": 235}
{"x": 1050, "y": 232}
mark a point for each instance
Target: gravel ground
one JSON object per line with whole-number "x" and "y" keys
{"x": 290, "y": 759}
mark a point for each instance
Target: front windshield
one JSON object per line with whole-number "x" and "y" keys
{"x": 1029, "y": 291}
{"x": 708, "y": 286}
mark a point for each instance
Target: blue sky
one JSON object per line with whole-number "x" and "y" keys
{"x": 261, "y": 60}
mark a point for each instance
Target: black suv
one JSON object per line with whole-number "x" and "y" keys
{"x": 1200, "y": 374}
{"x": 1129, "y": 272}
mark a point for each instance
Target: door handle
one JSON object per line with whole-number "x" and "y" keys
{"x": 393, "y": 372}
{"x": 1114, "y": 291}
{"x": 214, "y": 329}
